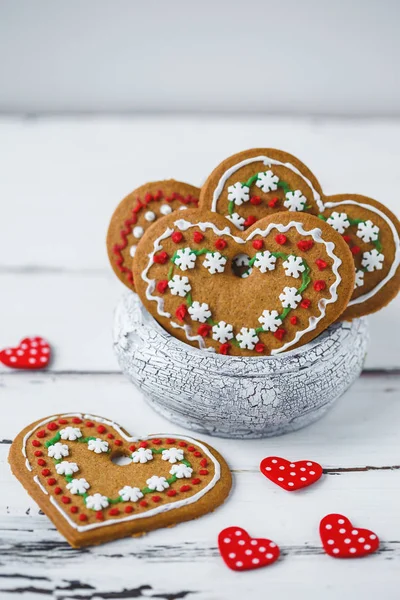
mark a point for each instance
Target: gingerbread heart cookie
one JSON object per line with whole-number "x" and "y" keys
{"x": 296, "y": 276}
{"x": 136, "y": 213}
{"x": 256, "y": 183}
{"x": 68, "y": 465}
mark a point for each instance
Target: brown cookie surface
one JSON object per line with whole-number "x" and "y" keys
{"x": 270, "y": 289}
{"x": 136, "y": 212}
{"x": 66, "y": 464}
{"x": 259, "y": 182}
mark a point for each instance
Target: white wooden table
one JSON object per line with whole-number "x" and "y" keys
{"x": 59, "y": 182}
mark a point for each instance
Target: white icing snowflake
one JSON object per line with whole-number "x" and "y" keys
{"x": 237, "y": 220}
{"x": 270, "y": 320}
{"x": 265, "y": 261}
{"x": 214, "y": 262}
{"x": 372, "y": 260}
{"x": 78, "y": 486}
{"x": 242, "y": 260}
{"x": 70, "y": 433}
{"x": 293, "y": 266}
{"x": 157, "y": 483}
{"x": 142, "y": 455}
{"x": 199, "y": 312}
{"x": 130, "y": 494}
{"x": 290, "y": 297}
{"x": 247, "y": 338}
{"x": 338, "y": 221}
{"x": 96, "y": 502}
{"x": 66, "y": 468}
{"x": 185, "y": 259}
{"x": 367, "y": 231}
{"x": 359, "y": 279}
{"x": 181, "y": 471}
{"x": 222, "y": 332}
{"x": 295, "y": 200}
{"x": 238, "y": 193}
{"x": 172, "y": 455}
{"x": 267, "y": 181}
{"x": 179, "y": 286}
{"x": 58, "y": 450}
{"x": 98, "y": 446}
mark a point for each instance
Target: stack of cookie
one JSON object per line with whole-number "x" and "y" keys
{"x": 257, "y": 262}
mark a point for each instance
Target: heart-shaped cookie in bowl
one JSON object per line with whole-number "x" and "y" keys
{"x": 257, "y": 183}
{"x": 97, "y": 483}
{"x": 299, "y": 279}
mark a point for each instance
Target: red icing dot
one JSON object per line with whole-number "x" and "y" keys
{"x": 250, "y": 221}
{"x": 128, "y": 509}
{"x": 255, "y": 200}
{"x": 36, "y": 443}
{"x": 162, "y": 286}
{"x": 52, "y": 426}
{"x": 51, "y": 481}
{"x": 191, "y": 448}
{"x": 181, "y": 312}
{"x": 185, "y": 488}
{"x": 101, "y": 429}
{"x": 65, "y": 500}
{"x": 82, "y": 517}
{"x": 293, "y": 320}
{"x": 57, "y": 490}
{"x": 110, "y": 436}
{"x": 143, "y": 444}
{"x": 197, "y": 454}
{"x": 170, "y": 440}
{"x": 113, "y": 512}
{"x": 203, "y": 472}
{"x": 118, "y": 442}
{"x": 143, "y": 503}
{"x": 171, "y": 493}
{"x": 305, "y": 245}
{"x": 89, "y": 424}
{"x": 280, "y": 333}
{"x": 196, "y": 481}
{"x": 355, "y": 249}
{"x": 62, "y": 421}
{"x": 38, "y": 453}
{"x": 76, "y": 420}
{"x": 273, "y": 202}
{"x": 177, "y": 237}
{"x": 224, "y": 348}
{"x": 160, "y": 258}
{"x": 321, "y": 264}
{"x": 346, "y": 238}
{"x": 259, "y": 347}
{"x": 182, "y": 444}
{"x": 99, "y": 515}
{"x": 258, "y": 244}
{"x": 204, "y": 329}
{"x": 132, "y": 448}
{"x": 220, "y": 244}
{"x": 203, "y": 462}
{"x": 41, "y": 462}
{"x": 74, "y": 509}
{"x": 46, "y": 472}
{"x": 157, "y": 442}
{"x": 41, "y": 433}
{"x": 156, "y": 498}
{"x": 198, "y": 237}
{"x": 281, "y": 239}
{"x": 319, "y": 285}
{"x": 305, "y": 303}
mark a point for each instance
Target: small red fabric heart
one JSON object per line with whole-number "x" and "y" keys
{"x": 32, "y": 353}
{"x": 290, "y": 475}
{"x": 342, "y": 540}
{"x": 242, "y": 553}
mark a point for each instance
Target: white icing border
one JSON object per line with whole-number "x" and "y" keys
{"x": 144, "y": 515}
{"x": 316, "y": 235}
{"x": 396, "y": 239}
{"x": 268, "y": 162}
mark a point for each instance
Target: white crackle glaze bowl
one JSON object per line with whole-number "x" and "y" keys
{"x": 232, "y": 396}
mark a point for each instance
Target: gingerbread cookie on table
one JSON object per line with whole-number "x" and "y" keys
{"x": 65, "y": 462}
{"x": 298, "y": 278}
{"x": 136, "y": 212}
{"x": 256, "y": 183}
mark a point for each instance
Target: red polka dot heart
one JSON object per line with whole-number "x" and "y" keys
{"x": 341, "y": 539}
{"x": 32, "y": 353}
{"x": 242, "y": 553}
{"x": 290, "y": 475}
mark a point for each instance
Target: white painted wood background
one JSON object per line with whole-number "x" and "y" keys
{"x": 59, "y": 182}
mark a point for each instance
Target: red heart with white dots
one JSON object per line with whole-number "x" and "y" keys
{"x": 342, "y": 540}
{"x": 32, "y": 353}
{"x": 242, "y": 552}
{"x": 290, "y": 475}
